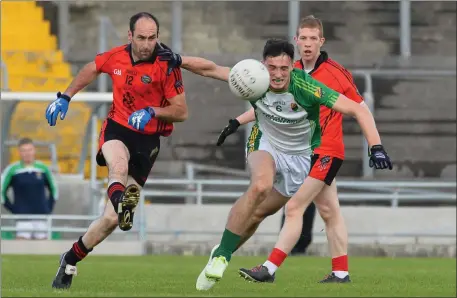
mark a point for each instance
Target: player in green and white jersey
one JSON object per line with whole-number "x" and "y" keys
{"x": 281, "y": 142}
{"x": 290, "y": 118}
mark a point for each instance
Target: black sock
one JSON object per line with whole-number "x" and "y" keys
{"x": 77, "y": 252}
{"x": 115, "y": 191}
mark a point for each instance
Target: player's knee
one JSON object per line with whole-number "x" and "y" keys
{"x": 294, "y": 209}
{"x": 328, "y": 212}
{"x": 119, "y": 168}
{"x": 324, "y": 212}
{"x": 261, "y": 188}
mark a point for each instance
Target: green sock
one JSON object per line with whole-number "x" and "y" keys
{"x": 228, "y": 244}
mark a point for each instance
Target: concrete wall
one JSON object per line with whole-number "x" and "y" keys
{"x": 206, "y": 223}
{"x": 193, "y": 229}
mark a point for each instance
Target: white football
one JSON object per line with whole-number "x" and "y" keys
{"x": 249, "y": 79}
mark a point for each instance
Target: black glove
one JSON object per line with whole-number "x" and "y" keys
{"x": 228, "y": 130}
{"x": 166, "y": 54}
{"x": 379, "y": 158}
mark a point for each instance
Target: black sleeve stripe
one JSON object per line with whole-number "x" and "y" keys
{"x": 178, "y": 78}
{"x": 162, "y": 102}
{"x": 164, "y": 124}
{"x": 175, "y": 74}
{"x": 178, "y": 71}
{"x": 344, "y": 71}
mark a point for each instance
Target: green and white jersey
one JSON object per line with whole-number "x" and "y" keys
{"x": 290, "y": 120}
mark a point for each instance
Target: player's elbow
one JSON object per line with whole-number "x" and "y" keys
{"x": 182, "y": 114}
{"x": 90, "y": 69}
{"x": 359, "y": 112}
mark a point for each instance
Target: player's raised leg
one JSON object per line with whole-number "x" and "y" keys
{"x": 290, "y": 232}
{"x": 262, "y": 169}
{"x": 123, "y": 196}
{"x": 327, "y": 204}
{"x": 116, "y": 156}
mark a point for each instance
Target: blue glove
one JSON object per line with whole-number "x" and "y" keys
{"x": 379, "y": 158}
{"x": 140, "y": 118}
{"x": 166, "y": 54}
{"x": 60, "y": 105}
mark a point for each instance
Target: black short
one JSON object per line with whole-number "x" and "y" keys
{"x": 325, "y": 167}
{"x": 143, "y": 148}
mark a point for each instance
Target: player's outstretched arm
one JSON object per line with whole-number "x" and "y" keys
{"x": 85, "y": 76}
{"x": 200, "y": 66}
{"x": 323, "y": 95}
{"x": 233, "y": 125}
{"x": 206, "y": 68}
{"x": 246, "y": 117}
{"x": 363, "y": 115}
{"x": 60, "y": 105}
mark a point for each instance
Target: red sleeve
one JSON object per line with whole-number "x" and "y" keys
{"x": 172, "y": 84}
{"x": 350, "y": 89}
{"x": 101, "y": 62}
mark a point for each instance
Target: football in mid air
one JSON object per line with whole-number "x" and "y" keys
{"x": 249, "y": 79}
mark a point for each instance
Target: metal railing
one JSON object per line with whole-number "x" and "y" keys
{"x": 391, "y": 191}
{"x": 362, "y": 190}
{"x": 196, "y": 191}
{"x": 193, "y": 188}
{"x": 139, "y": 222}
{"x": 142, "y": 232}
{"x": 51, "y": 227}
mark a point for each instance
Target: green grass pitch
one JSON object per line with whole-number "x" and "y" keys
{"x": 147, "y": 276}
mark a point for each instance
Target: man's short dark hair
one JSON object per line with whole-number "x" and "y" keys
{"x": 24, "y": 141}
{"x": 278, "y": 47}
{"x": 140, "y": 15}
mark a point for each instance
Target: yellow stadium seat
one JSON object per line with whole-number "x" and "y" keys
{"x": 35, "y": 64}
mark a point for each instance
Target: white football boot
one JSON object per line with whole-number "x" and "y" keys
{"x": 204, "y": 283}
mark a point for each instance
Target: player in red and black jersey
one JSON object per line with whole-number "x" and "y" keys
{"x": 148, "y": 96}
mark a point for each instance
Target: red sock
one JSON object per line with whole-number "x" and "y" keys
{"x": 277, "y": 256}
{"x": 340, "y": 263}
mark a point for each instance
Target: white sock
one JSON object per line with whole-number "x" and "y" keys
{"x": 271, "y": 267}
{"x": 341, "y": 274}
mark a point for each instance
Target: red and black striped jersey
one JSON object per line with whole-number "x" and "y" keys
{"x": 336, "y": 77}
{"x": 137, "y": 85}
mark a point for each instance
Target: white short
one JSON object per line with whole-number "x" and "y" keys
{"x": 291, "y": 170}
{"x": 32, "y": 228}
